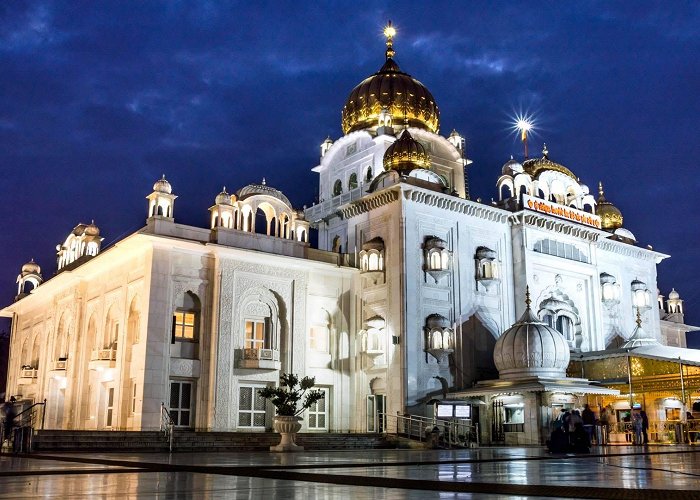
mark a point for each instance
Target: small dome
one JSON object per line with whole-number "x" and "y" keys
{"x": 435, "y": 242}
{"x": 376, "y": 243}
{"x": 511, "y": 167}
{"x": 405, "y": 98}
{"x": 607, "y": 278}
{"x": 531, "y": 348}
{"x": 261, "y": 189}
{"x": 223, "y": 198}
{"x": 585, "y": 189}
{"x": 485, "y": 253}
{"x": 534, "y": 166}
{"x": 437, "y": 321}
{"x": 674, "y": 295}
{"x": 610, "y": 215}
{"x": 31, "y": 267}
{"x": 92, "y": 230}
{"x": 406, "y": 154}
{"x": 638, "y": 285}
{"x": 639, "y": 337}
{"x": 162, "y": 186}
{"x": 625, "y": 234}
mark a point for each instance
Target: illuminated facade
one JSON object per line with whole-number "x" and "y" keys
{"x": 410, "y": 288}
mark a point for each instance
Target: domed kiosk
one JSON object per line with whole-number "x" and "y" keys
{"x": 532, "y": 388}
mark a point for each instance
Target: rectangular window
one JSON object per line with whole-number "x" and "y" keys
{"x": 181, "y": 395}
{"x": 252, "y": 408}
{"x": 183, "y": 325}
{"x": 318, "y": 413}
{"x": 255, "y": 337}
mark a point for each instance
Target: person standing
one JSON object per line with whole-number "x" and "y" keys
{"x": 645, "y": 426}
{"x": 8, "y": 410}
{"x": 637, "y": 425}
{"x": 588, "y": 418}
{"x": 604, "y": 425}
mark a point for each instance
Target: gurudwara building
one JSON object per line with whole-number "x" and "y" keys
{"x": 413, "y": 294}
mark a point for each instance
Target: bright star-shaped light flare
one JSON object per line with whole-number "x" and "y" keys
{"x": 389, "y": 31}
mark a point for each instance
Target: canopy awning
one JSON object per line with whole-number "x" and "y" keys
{"x": 533, "y": 384}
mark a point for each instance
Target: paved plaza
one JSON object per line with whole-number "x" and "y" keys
{"x": 619, "y": 472}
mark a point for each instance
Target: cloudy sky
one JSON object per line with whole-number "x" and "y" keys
{"x": 98, "y": 99}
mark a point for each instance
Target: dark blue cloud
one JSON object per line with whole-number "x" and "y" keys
{"x": 97, "y": 99}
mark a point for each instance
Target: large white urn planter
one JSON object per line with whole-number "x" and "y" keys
{"x": 288, "y": 428}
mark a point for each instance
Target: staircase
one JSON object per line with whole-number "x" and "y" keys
{"x": 187, "y": 441}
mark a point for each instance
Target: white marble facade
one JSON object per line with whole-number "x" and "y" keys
{"x": 410, "y": 287}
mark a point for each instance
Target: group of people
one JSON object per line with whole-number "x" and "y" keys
{"x": 640, "y": 426}
{"x": 572, "y": 432}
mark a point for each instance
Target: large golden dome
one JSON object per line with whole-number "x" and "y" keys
{"x": 610, "y": 215}
{"x": 404, "y": 97}
{"x": 534, "y": 166}
{"x": 406, "y": 154}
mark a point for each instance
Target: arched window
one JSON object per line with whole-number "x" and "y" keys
{"x": 373, "y": 264}
{"x": 110, "y": 335}
{"x": 435, "y": 261}
{"x": 185, "y": 325}
{"x": 352, "y": 183}
{"x": 337, "y": 188}
{"x": 548, "y": 320}
{"x": 565, "y": 327}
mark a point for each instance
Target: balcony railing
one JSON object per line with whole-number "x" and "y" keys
{"x": 104, "y": 355}
{"x": 27, "y": 375}
{"x": 60, "y": 365}
{"x": 261, "y": 358}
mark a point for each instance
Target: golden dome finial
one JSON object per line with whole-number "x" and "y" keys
{"x": 601, "y": 193}
{"x": 639, "y": 319}
{"x": 389, "y": 33}
{"x": 545, "y": 151}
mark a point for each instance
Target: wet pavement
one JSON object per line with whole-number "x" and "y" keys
{"x": 620, "y": 472}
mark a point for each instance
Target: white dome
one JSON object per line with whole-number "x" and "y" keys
{"x": 31, "y": 267}
{"x": 512, "y": 167}
{"x": 625, "y": 233}
{"x": 162, "y": 186}
{"x": 223, "y": 198}
{"x": 674, "y": 295}
{"x": 531, "y": 348}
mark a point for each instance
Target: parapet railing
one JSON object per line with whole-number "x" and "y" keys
{"x": 167, "y": 425}
{"x": 448, "y": 433}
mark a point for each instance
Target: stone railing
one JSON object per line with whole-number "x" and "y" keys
{"x": 260, "y": 358}
{"x": 104, "y": 355}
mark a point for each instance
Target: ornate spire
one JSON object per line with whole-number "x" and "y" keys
{"x": 527, "y": 296}
{"x": 545, "y": 151}
{"x": 389, "y": 33}
{"x": 601, "y": 193}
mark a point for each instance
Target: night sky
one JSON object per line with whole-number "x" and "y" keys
{"x": 98, "y": 99}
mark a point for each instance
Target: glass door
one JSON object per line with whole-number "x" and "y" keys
{"x": 110, "y": 407}
{"x": 181, "y": 403}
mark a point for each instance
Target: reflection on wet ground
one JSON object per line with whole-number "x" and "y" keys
{"x": 621, "y": 472}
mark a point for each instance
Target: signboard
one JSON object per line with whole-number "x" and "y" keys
{"x": 444, "y": 411}
{"x": 450, "y": 410}
{"x": 463, "y": 411}
{"x": 561, "y": 211}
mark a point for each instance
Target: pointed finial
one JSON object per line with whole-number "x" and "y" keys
{"x": 600, "y": 189}
{"x": 545, "y": 151}
{"x": 163, "y": 178}
{"x": 639, "y": 319}
{"x": 263, "y": 182}
{"x": 527, "y": 296}
{"x": 511, "y": 157}
{"x": 389, "y": 33}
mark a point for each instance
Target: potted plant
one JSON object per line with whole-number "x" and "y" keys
{"x": 290, "y": 399}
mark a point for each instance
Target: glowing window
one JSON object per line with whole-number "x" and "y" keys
{"x": 184, "y": 325}
{"x": 255, "y": 335}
